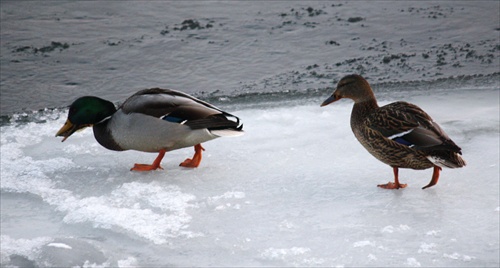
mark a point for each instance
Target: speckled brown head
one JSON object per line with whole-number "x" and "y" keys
{"x": 352, "y": 86}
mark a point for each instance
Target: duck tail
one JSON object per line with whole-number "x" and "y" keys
{"x": 447, "y": 159}
{"x": 235, "y": 129}
{"x": 231, "y": 132}
{"x": 230, "y": 128}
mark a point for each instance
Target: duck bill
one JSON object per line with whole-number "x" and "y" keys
{"x": 330, "y": 99}
{"x": 67, "y": 130}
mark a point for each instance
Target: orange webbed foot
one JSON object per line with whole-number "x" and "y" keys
{"x": 196, "y": 160}
{"x": 145, "y": 167}
{"x": 391, "y": 185}
{"x": 154, "y": 166}
{"x": 395, "y": 184}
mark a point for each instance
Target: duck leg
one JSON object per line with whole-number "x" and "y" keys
{"x": 396, "y": 184}
{"x": 435, "y": 177}
{"x": 196, "y": 160}
{"x": 154, "y": 166}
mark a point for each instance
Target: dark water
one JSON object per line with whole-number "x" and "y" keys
{"x": 54, "y": 52}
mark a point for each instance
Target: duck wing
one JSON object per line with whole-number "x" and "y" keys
{"x": 178, "y": 107}
{"x": 407, "y": 124}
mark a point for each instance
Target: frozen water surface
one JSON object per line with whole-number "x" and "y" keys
{"x": 296, "y": 190}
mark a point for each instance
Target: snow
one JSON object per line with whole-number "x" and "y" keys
{"x": 296, "y": 190}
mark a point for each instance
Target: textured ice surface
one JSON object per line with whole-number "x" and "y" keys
{"x": 296, "y": 190}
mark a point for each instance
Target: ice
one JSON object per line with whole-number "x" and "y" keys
{"x": 427, "y": 248}
{"x": 296, "y": 190}
{"x": 280, "y": 253}
{"x": 22, "y": 247}
{"x": 124, "y": 209}
{"x": 128, "y": 262}
{"x": 432, "y": 233}
{"x": 412, "y": 262}
{"x": 391, "y": 229}
{"x": 295, "y": 256}
{"x": 456, "y": 256}
{"x": 363, "y": 244}
{"x": 71, "y": 252}
{"x": 59, "y": 245}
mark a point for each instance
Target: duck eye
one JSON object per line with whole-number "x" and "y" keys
{"x": 345, "y": 83}
{"x": 71, "y": 110}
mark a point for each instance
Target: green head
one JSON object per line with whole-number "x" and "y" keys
{"x": 85, "y": 112}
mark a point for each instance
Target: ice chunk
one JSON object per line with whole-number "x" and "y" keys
{"x": 457, "y": 256}
{"x": 70, "y": 252}
{"x": 363, "y": 243}
{"x": 128, "y": 262}
{"x": 427, "y": 248}
{"x": 388, "y": 229}
{"x": 59, "y": 245}
{"x": 28, "y": 248}
{"x": 432, "y": 233}
{"x": 281, "y": 253}
{"x": 412, "y": 262}
{"x": 294, "y": 256}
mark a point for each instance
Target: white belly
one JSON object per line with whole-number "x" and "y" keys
{"x": 151, "y": 134}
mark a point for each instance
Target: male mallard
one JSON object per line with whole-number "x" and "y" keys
{"x": 399, "y": 134}
{"x": 152, "y": 120}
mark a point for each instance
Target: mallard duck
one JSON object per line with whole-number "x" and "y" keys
{"x": 399, "y": 134}
{"x": 152, "y": 120}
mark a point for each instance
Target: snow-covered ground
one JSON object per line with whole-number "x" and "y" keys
{"x": 296, "y": 190}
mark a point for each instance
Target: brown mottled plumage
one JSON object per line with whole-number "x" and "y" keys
{"x": 399, "y": 134}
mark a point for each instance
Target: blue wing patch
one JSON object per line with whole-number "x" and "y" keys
{"x": 402, "y": 141}
{"x": 399, "y": 138}
{"x": 173, "y": 119}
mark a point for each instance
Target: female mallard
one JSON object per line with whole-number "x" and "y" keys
{"x": 399, "y": 134}
{"x": 152, "y": 120}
